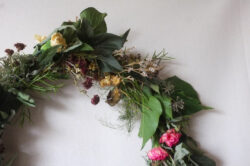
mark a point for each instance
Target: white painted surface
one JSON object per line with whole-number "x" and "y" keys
{"x": 210, "y": 41}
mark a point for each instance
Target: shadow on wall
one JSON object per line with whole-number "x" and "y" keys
{"x": 17, "y": 137}
{"x": 193, "y": 133}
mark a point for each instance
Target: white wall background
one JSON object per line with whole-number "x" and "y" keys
{"x": 209, "y": 40}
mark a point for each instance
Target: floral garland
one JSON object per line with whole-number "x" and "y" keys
{"x": 84, "y": 51}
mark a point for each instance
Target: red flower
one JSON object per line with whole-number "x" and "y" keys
{"x": 157, "y": 154}
{"x": 95, "y": 100}
{"x": 88, "y": 83}
{"x": 170, "y": 138}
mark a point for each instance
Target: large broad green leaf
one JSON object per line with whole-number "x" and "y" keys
{"x": 104, "y": 45}
{"x": 166, "y": 105}
{"x": 183, "y": 86}
{"x": 188, "y": 94}
{"x": 151, "y": 112}
{"x": 192, "y": 105}
{"x": 78, "y": 46}
{"x": 202, "y": 160}
{"x": 95, "y": 19}
{"x": 47, "y": 57}
{"x": 109, "y": 63}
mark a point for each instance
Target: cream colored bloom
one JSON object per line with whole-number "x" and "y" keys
{"x": 106, "y": 81}
{"x": 40, "y": 38}
{"x": 57, "y": 39}
{"x": 115, "y": 80}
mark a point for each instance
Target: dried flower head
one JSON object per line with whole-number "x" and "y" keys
{"x": 40, "y": 38}
{"x": 57, "y": 39}
{"x": 115, "y": 80}
{"x": 106, "y": 81}
{"x": 19, "y": 46}
{"x": 9, "y": 52}
{"x": 114, "y": 97}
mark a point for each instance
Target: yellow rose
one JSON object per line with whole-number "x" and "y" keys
{"x": 115, "y": 80}
{"x": 40, "y": 38}
{"x": 57, "y": 39}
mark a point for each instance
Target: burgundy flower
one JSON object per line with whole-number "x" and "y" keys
{"x": 88, "y": 83}
{"x": 83, "y": 66}
{"x": 20, "y": 46}
{"x": 9, "y": 51}
{"x": 95, "y": 100}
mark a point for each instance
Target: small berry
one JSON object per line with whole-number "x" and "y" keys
{"x": 95, "y": 100}
{"x": 88, "y": 83}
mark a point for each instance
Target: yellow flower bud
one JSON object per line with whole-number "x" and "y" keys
{"x": 57, "y": 39}
{"x": 92, "y": 66}
{"x": 115, "y": 80}
{"x": 40, "y": 38}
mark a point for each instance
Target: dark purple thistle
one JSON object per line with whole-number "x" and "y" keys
{"x": 88, "y": 83}
{"x": 95, "y": 100}
{"x": 19, "y": 46}
{"x": 9, "y": 51}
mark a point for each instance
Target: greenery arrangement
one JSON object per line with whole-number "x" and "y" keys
{"x": 84, "y": 51}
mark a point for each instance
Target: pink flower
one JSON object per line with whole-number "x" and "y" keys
{"x": 157, "y": 154}
{"x": 171, "y": 137}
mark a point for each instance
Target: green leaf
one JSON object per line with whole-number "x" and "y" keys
{"x": 95, "y": 19}
{"x": 25, "y": 99}
{"x": 183, "y": 86}
{"x": 46, "y": 46}
{"x": 155, "y": 87}
{"x": 202, "y": 160}
{"x": 151, "y": 112}
{"x": 166, "y": 105}
{"x": 3, "y": 115}
{"x": 85, "y": 47}
{"x": 109, "y": 64}
{"x": 188, "y": 94}
{"x": 47, "y": 57}
{"x": 147, "y": 91}
{"x": 192, "y": 106}
{"x": 8, "y": 101}
{"x": 69, "y": 34}
{"x": 180, "y": 152}
{"x": 78, "y": 46}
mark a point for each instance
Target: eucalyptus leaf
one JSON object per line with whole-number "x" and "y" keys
{"x": 26, "y": 99}
{"x": 180, "y": 152}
